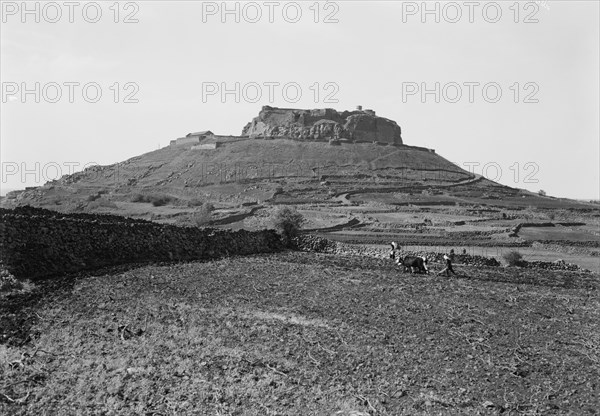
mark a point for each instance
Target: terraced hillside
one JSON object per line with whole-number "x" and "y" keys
{"x": 363, "y": 193}
{"x": 246, "y": 171}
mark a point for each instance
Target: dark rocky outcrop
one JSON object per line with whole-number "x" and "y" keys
{"x": 323, "y": 124}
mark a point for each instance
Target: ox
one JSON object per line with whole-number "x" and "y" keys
{"x": 411, "y": 263}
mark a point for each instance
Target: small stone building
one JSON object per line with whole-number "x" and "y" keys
{"x": 192, "y": 138}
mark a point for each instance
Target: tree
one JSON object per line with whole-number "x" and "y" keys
{"x": 541, "y": 192}
{"x": 513, "y": 258}
{"x": 287, "y": 222}
{"x": 202, "y": 215}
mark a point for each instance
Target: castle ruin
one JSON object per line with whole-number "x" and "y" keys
{"x": 323, "y": 124}
{"x": 327, "y": 124}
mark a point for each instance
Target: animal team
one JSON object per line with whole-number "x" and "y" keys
{"x": 419, "y": 264}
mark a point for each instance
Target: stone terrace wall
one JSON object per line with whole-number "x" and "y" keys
{"x": 38, "y": 243}
{"x": 318, "y": 244}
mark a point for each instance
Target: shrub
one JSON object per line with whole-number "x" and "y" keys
{"x": 208, "y": 207}
{"x": 101, "y": 203}
{"x": 203, "y": 215}
{"x": 513, "y": 258}
{"x": 138, "y": 198}
{"x": 157, "y": 200}
{"x": 287, "y": 222}
{"x": 54, "y": 200}
{"x": 195, "y": 202}
{"x": 8, "y": 282}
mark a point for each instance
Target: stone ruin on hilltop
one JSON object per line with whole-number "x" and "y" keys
{"x": 323, "y": 124}
{"x": 306, "y": 125}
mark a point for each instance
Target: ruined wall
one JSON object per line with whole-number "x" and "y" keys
{"x": 206, "y": 146}
{"x": 38, "y": 243}
{"x": 186, "y": 140}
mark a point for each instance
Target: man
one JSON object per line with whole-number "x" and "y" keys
{"x": 449, "y": 259}
{"x": 393, "y": 250}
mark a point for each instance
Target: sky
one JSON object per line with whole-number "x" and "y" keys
{"x": 505, "y": 89}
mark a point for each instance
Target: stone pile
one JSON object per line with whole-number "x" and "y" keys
{"x": 465, "y": 259}
{"x": 571, "y": 243}
{"x": 312, "y": 243}
{"x": 555, "y": 265}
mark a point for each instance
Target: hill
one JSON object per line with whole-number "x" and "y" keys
{"x": 357, "y": 191}
{"x": 222, "y": 174}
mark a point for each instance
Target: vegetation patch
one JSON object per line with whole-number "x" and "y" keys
{"x": 287, "y": 221}
{"x": 202, "y": 214}
{"x": 157, "y": 200}
{"x": 513, "y": 258}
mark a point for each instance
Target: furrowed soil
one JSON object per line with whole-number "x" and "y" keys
{"x": 303, "y": 334}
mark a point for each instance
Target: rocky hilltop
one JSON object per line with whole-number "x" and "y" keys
{"x": 323, "y": 124}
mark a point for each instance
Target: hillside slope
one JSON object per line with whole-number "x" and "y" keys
{"x": 185, "y": 173}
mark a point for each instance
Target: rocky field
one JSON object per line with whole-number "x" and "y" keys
{"x": 302, "y": 333}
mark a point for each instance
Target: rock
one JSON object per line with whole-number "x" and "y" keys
{"x": 323, "y": 124}
{"x": 135, "y": 370}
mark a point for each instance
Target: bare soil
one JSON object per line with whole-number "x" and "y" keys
{"x": 303, "y": 334}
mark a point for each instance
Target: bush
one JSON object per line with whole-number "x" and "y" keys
{"x": 138, "y": 198}
{"x": 202, "y": 215}
{"x": 8, "y": 282}
{"x": 513, "y": 258}
{"x": 101, "y": 203}
{"x": 158, "y": 200}
{"x": 287, "y": 222}
{"x": 195, "y": 202}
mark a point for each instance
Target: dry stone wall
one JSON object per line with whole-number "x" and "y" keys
{"x": 322, "y": 245}
{"x": 37, "y": 243}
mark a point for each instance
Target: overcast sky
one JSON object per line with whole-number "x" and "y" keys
{"x": 166, "y": 64}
